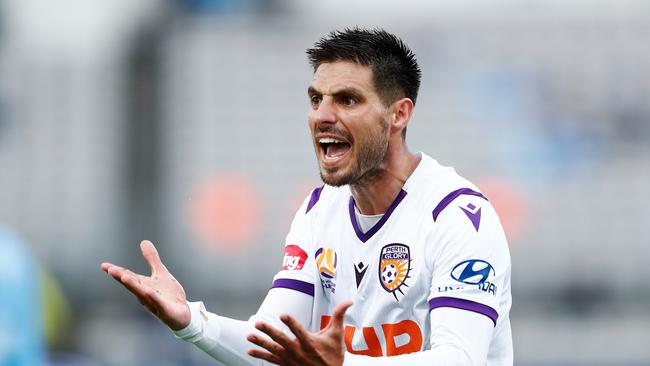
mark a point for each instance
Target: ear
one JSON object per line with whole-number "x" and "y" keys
{"x": 402, "y": 110}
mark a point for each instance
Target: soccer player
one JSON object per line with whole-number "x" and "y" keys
{"x": 416, "y": 248}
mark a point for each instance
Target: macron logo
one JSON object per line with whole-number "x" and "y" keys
{"x": 474, "y": 214}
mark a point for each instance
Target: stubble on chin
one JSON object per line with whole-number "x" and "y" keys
{"x": 331, "y": 179}
{"x": 355, "y": 176}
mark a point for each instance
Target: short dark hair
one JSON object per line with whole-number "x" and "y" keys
{"x": 395, "y": 70}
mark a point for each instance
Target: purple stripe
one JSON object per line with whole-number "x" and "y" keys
{"x": 315, "y": 196}
{"x": 357, "y": 229}
{"x": 301, "y": 286}
{"x": 451, "y": 197}
{"x": 452, "y": 302}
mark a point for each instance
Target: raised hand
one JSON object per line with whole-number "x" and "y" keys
{"x": 160, "y": 293}
{"x": 323, "y": 348}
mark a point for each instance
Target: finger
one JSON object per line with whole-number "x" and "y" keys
{"x": 108, "y": 267}
{"x": 150, "y": 254}
{"x": 298, "y": 330}
{"x": 134, "y": 284}
{"x": 267, "y": 344}
{"x": 105, "y": 266}
{"x": 276, "y": 335}
{"x": 115, "y": 272}
{"x": 339, "y": 314}
{"x": 266, "y": 356}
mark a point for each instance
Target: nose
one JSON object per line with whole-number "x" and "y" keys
{"x": 325, "y": 112}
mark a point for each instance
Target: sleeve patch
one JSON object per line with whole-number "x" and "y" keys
{"x": 294, "y": 258}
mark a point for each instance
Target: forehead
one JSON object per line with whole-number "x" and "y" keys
{"x": 333, "y": 76}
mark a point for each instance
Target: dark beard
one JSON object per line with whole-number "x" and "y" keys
{"x": 368, "y": 167}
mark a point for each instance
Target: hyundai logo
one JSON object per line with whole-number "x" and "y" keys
{"x": 472, "y": 272}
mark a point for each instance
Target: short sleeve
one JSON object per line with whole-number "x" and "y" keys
{"x": 297, "y": 270}
{"x": 471, "y": 263}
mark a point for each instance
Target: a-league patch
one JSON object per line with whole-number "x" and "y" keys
{"x": 394, "y": 267}
{"x": 326, "y": 261}
{"x": 294, "y": 258}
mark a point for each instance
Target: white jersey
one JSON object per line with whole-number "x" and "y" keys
{"x": 439, "y": 245}
{"x": 430, "y": 280}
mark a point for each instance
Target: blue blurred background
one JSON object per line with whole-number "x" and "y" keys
{"x": 184, "y": 122}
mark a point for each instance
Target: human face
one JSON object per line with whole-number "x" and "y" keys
{"x": 348, "y": 122}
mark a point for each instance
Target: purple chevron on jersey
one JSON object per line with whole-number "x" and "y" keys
{"x": 473, "y": 214}
{"x": 451, "y": 197}
{"x": 300, "y": 286}
{"x": 367, "y": 235}
{"x": 315, "y": 196}
{"x": 453, "y": 302}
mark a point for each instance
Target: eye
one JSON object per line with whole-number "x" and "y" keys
{"x": 315, "y": 100}
{"x": 349, "y": 100}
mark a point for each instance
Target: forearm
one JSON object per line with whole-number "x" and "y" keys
{"x": 224, "y": 339}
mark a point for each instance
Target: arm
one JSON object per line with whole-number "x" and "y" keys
{"x": 222, "y": 338}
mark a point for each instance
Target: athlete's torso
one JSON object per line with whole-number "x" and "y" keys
{"x": 405, "y": 265}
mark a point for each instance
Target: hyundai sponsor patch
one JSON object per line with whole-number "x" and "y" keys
{"x": 473, "y": 272}
{"x": 394, "y": 267}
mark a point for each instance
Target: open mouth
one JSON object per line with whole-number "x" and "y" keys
{"x": 333, "y": 149}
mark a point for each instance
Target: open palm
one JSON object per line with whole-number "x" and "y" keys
{"x": 160, "y": 293}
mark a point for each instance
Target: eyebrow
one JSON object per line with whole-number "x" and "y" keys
{"x": 350, "y": 91}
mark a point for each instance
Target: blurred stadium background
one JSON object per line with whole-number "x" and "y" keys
{"x": 184, "y": 122}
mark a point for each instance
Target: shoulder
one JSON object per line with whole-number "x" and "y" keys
{"x": 448, "y": 199}
{"x": 319, "y": 201}
{"x": 323, "y": 197}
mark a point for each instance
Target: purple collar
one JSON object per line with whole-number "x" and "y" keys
{"x": 367, "y": 235}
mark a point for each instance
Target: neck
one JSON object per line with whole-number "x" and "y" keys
{"x": 375, "y": 196}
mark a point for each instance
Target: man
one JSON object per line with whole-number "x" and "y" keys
{"x": 417, "y": 249}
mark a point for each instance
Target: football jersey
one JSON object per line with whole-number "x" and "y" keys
{"x": 440, "y": 244}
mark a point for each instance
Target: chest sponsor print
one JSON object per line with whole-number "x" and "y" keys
{"x": 394, "y": 268}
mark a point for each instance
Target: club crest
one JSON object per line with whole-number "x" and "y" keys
{"x": 394, "y": 267}
{"x": 326, "y": 261}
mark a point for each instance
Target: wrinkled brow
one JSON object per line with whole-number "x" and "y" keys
{"x": 338, "y": 93}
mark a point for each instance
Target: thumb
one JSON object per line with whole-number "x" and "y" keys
{"x": 339, "y": 314}
{"x": 150, "y": 255}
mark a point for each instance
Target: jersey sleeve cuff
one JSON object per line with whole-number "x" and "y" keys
{"x": 453, "y": 302}
{"x": 195, "y": 329}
